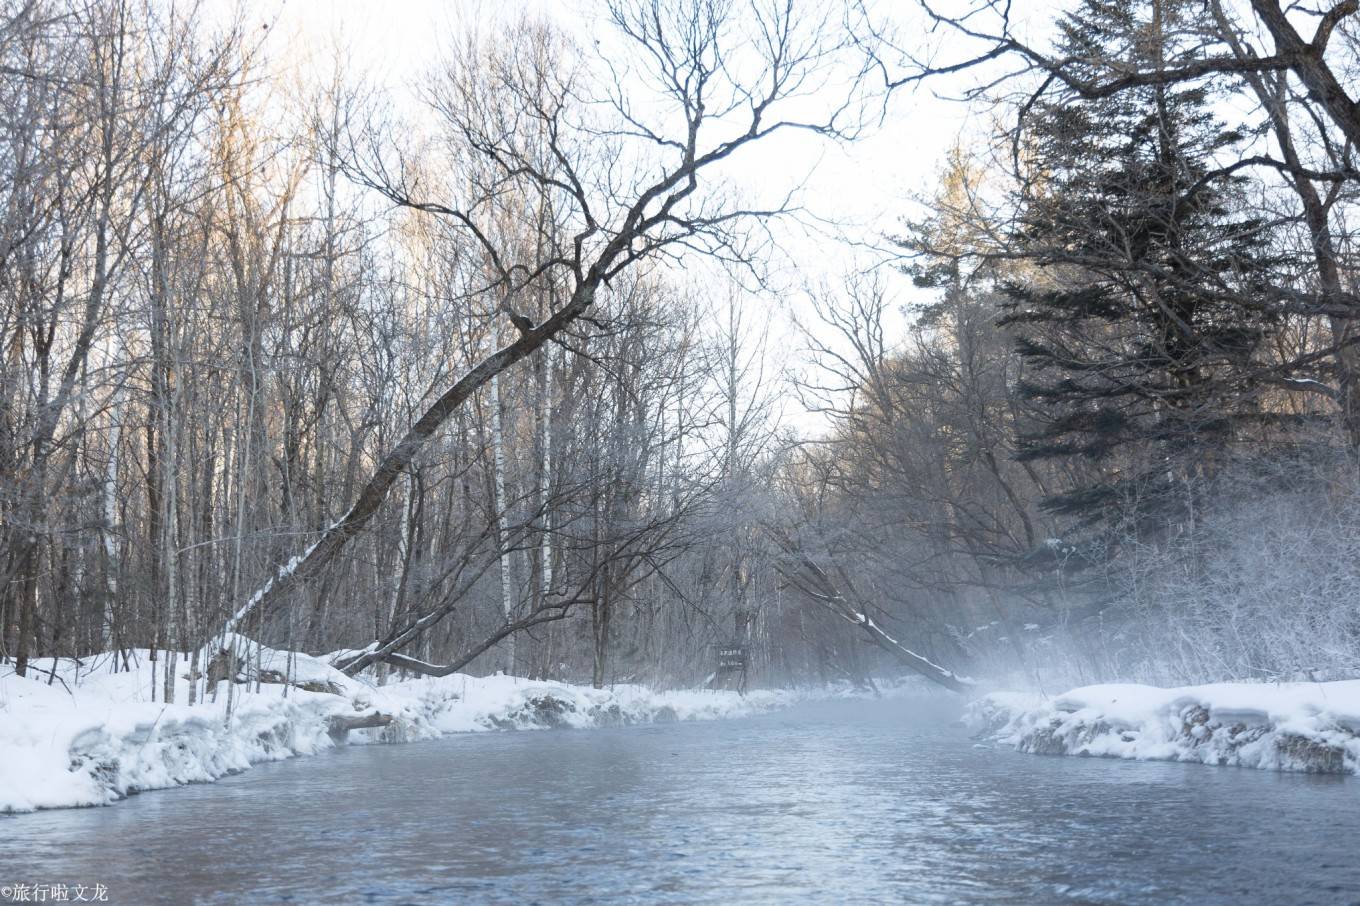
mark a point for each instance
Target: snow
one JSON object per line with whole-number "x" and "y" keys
{"x": 94, "y": 738}
{"x": 91, "y": 736}
{"x": 1312, "y": 727}
{"x": 285, "y": 572}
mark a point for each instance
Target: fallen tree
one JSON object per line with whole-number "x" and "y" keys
{"x": 632, "y": 559}
{"x": 813, "y": 582}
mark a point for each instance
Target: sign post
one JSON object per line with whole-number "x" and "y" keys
{"x": 734, "y": 660}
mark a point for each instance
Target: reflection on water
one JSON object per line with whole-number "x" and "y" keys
{"x": 843, "y": 802}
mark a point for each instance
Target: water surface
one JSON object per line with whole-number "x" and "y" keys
{"x": 841, "y": 802}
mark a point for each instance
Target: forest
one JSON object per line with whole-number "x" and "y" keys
{"x": 482, "y": 378}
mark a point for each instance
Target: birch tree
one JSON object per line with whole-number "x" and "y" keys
{"x": 637, "y": 172}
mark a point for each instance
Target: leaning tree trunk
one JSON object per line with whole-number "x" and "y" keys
{"x": 308, "y": 565}
{"x": 812, "y": 581}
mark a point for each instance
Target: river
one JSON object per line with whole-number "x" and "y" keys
{"x": 835, "y": 802}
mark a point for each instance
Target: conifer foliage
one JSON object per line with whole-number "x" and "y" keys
{"x": 1141, "y": 322}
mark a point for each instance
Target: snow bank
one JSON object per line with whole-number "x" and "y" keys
{"x": 1312, "y": 727}
{"x": 75, "y": 735}
{"x": 460, "y": 704}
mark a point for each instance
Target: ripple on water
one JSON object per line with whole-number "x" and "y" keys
{"x": 832, "y": 803}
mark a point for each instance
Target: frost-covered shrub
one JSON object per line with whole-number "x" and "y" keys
{"x": 1266, "y": 585}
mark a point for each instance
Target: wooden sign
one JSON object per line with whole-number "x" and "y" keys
{"x": 732, "y": 657}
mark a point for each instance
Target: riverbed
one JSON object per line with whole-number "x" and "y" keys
{"x": 832, "y": 802}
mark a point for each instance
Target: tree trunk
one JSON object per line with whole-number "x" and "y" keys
{"x": 499, "y": 505}
{"x": 307, "y": 565}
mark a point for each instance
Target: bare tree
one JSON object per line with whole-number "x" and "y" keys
{"x": 629, "y": 161}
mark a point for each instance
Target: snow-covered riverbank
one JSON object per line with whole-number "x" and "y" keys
{"x": 1312, "y": 727}
{"x": 74, "y": 736}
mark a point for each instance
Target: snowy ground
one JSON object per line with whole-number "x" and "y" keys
{"x": 1313, "y": 727}
{"x": 73, "y": 736}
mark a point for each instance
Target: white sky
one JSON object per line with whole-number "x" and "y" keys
{"x": 865, "y": 186}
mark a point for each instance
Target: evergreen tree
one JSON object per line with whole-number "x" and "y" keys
{"x": 1141, "y": 323}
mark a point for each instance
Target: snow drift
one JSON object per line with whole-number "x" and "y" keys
{"x": 1312, "y": 727}
{"x": 79, "y": 734}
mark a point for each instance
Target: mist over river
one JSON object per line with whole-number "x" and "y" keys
{"x": 832, "y": 802}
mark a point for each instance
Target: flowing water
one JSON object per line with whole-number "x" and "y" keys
{"x": 849, "y": 802}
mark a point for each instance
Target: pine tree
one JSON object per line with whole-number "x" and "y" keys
{"x": 1139, "y": 330}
